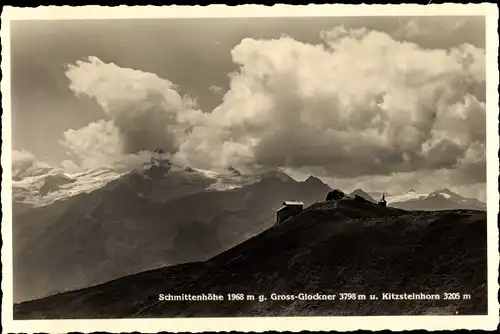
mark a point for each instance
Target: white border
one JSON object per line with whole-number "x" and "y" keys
{"x": 490, "y": 11}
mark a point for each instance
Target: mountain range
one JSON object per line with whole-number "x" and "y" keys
{"x": 139, "y": 221}
{"x": 351, "y": 246}
{"x": 103, "y": 224}
{"x": 442, "y": 199}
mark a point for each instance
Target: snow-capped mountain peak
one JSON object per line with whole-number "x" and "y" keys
{"x": 442, "y": 199}
{"x": 407, "y": 196}
{"x": 43, "y": 187}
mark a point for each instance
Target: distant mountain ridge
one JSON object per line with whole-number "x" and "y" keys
{"x": 144, "y": 220}
{"x": 112, "y": 224}
{"x": 363, "y": 194}
{"x": 40, "y": 185}
{"x": 442, "y": 199}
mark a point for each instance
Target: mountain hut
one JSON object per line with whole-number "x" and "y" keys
{"x": 289, "y": 209}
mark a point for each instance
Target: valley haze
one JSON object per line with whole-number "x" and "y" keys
{"x": 250, "y": 167}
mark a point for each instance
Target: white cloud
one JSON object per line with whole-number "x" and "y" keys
{"x": 146, "y": 110}
{"x": 217, "y": 90}
{"x": 25, "y": 163}
{"x": 22, "y": 157}
{"x": 430, "y": 26}
{"x": 70, "y": 166}
{"x": 361, "y": 104}
{"x": 97, "y": 144}
{"x": 358, "y": 105}
{"x": 21, "y": 160}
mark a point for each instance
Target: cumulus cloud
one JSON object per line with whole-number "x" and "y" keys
{"x": 100, "y": 144}
{"x": 359, "y": 104}
{"x": 25, "y": 163}
{"x": 22, "y": 158}
{"x": 217, "y": 90}
{"x": 425, "y": 26}
{"x": 146, "y": 111}
{"x": 97, "y": 144}
{"x": 70, "y": 166}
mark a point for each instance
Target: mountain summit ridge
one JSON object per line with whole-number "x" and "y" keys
{"x": 361, "y": 193}
{"x": 441, "y": 199}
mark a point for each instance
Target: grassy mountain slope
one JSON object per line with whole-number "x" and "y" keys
{"x": 358, "y": 247}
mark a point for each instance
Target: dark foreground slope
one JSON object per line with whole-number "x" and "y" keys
{"x": 358, "y": 248}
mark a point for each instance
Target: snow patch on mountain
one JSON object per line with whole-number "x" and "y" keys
{"x": 445, "y": 195}
{"x": 408, "y": 196}
{"x": 44, "y": 186}
{"x": 232, "y": 178}
{"x": 40, "y": 184}
{"x": 439, "y": 199}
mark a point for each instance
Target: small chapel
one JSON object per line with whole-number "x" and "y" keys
{"x": 382, "y": 201}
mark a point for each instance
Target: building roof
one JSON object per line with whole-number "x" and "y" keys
{"x": 292, "y": 203}
{"x": 283, "y": 207}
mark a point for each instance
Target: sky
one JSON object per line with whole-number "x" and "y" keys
{"x": 383, "y": 104}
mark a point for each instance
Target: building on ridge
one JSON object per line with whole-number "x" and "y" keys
{"x": 383, "y": 202}
{"x": 289, "y": 209}
{"x": 335, "y": 195}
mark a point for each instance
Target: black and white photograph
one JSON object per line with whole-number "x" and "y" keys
{"x": 304, "y": 166}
